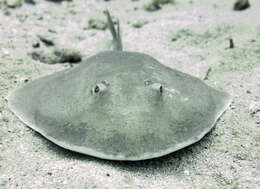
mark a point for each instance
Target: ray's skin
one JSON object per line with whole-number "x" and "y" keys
{"x": 120, "y": 105}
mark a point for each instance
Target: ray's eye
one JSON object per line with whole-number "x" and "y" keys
{"x": 96, "y": 89}
{"x": 100, "y": 87}
{"x": 155, "y": 86}
{"x": 158, "y": 87}
{"x": 161, "y": 89}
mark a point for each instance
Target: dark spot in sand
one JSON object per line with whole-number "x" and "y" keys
{"x": 46, "y": 40}
{"x": 241, "y": 5}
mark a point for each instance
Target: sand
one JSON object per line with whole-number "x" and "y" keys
{"x": 191, "y": 36}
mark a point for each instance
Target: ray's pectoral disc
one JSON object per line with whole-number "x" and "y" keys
{"x": 120, "y": 105}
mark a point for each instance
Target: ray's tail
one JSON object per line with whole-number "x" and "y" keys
{"x": 117, "y": 42}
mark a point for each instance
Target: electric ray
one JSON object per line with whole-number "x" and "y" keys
{"x": 120, "y": 105}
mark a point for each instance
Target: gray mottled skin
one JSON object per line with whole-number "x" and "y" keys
{"x": 130, "y": 119}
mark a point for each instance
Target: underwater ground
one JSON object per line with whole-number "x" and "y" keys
{"x": 207, "y": 39}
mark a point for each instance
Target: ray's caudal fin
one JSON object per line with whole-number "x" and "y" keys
{"x": 117, "y": 42}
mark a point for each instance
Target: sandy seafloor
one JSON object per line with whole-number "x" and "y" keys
{"x": 191, "y": 36}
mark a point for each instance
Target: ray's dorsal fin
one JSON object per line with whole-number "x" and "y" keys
{"x": 117, "y": 42}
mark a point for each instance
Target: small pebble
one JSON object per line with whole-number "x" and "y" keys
{"x": 136, "y": 8}
{"x": 241, "y": 156}
{"x": 57, "y": 55}
{"x": 35, "y": 56}
{"x": 155, "y": 5}
{"x": 97, "y": 24}
{"x": 68, "y": 55}
{"x": 5, "y": 118}
{"x": 46, "y": 40}
{"x": 6, "y": 12}
{"x": 58, "y": 1}
{"x": 248, "y": 92}
{"x": 36, "y": 44}
{"x": 152, "y": 6}
{"x": 13, "y": 3}
{"x": 32, "y": 2}
{"x": 140, "y": 23}
{"x": 51, "y": 30}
